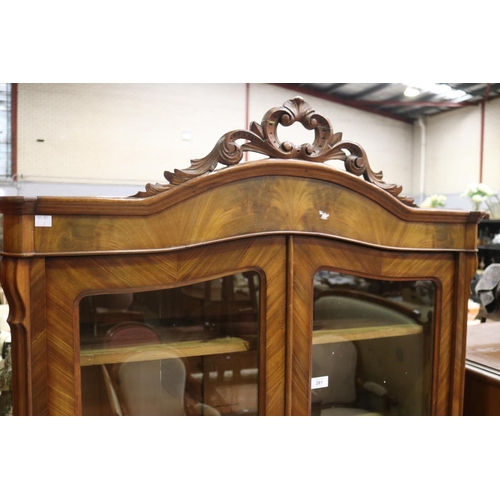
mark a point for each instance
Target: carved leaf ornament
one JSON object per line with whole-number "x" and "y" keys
{"x": 263, "y": 139}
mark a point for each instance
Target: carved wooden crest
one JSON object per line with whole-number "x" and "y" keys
{"x": 263, "y": 139}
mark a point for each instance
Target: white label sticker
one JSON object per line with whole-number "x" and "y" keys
{"x": 319, "y": 382}
{"x": 43, "y": 220}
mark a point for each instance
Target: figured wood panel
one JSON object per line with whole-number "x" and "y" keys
{"x": 26, "y": 298}
{"x": 68, "y": 279}
{"x": 253, "y": 206}
{"x": 19, "y": 236}
{"x": 312, "y": 254}
{"x": 465, "y": 268}
{"x": 16, "y": 274}
{"x": 235, "y": 219}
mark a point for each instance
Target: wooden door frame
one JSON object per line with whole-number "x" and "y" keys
{"x": 316, "y": 253}
{"x": 68, "y": 279}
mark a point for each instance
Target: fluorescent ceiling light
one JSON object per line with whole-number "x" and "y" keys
{"x": 420, "y": 86}
{"x": 454, "y": 94}
{"x": 411, "y": 92}
{"x": 439, "y": 88}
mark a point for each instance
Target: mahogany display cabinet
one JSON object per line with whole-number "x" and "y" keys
{"x": 300, "y": 283}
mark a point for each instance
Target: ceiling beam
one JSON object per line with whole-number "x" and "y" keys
{"x": 333, "y": 86}
{"x": 346, "y": 102}
{"x": 434, "y": 104}
{"x": 372, "y": 90}
{"x": 408, "y": 111}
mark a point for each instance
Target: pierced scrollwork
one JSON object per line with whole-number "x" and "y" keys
{"x": 357, "y": 163}
{"x": 263, "y": 139}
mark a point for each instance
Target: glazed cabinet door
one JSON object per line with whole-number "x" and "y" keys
{"x": 365, "y": 334}
{"x": 191, "y": 332}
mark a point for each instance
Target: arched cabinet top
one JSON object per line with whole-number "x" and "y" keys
{"x": 293, "y": 191}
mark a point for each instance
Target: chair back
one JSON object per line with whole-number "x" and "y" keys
{"x": 131, "y": 333}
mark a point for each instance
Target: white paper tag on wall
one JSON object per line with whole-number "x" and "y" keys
{"x": 43, "y": 220}
{"x": 319, "y": 382}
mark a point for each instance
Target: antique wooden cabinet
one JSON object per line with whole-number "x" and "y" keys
{"x": 279, "y": 286}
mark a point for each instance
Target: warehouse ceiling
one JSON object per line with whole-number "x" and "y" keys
{"x": 403, "y": 101}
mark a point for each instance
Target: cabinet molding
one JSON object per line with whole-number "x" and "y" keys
{"x": 284, "y": 218}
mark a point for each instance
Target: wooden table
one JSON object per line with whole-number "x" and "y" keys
{"x": 482, "y": 370}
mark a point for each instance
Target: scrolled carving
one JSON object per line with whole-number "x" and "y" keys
{"x": 17, "y": 308}
{"x": 263, "y": 138}
{"x": 357, "y": 163}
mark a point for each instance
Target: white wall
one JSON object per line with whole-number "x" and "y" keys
{"x": 129, "y": 134}
{"x": 452, "y": 156}
{"x": 112, "y": 139}
{"x": 120, "y": 133}
{"x": 453, "y": 145}
{"x": 491, "y": 160}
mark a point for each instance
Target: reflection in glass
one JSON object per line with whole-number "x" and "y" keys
{"x": 372, "y": 346}
{"x": 190, "y": 350}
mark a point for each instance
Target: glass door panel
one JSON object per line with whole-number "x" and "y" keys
{"x": 190, "y": 350}
{"x": 372, "y": 346}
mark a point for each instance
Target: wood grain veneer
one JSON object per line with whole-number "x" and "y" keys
{"x": 70, "y": 278}
{"x": 284, "y": 217}
{"x": 314, "y": 254}
{"x": 245, "y": 206}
